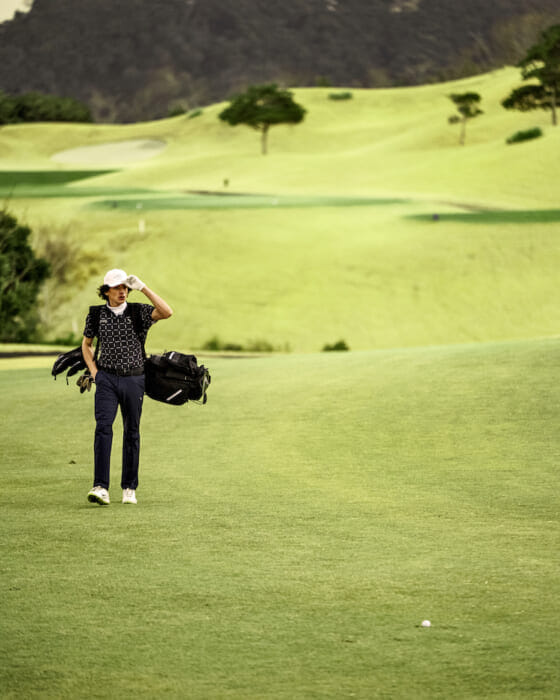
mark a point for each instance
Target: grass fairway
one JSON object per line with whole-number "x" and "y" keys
{"x": 292, "y": 534}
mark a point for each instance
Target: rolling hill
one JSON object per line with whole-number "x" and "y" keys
{"x": 293, "y": 265}
{"x": 292, "y": 534}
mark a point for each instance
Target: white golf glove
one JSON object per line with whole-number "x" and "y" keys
{"x": 135, "y": 283}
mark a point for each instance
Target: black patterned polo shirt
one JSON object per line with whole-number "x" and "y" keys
{"x": 119, "y": 346}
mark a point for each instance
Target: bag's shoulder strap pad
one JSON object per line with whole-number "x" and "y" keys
{"x": 95, "y": 312}
{"x": 136, "y": 314}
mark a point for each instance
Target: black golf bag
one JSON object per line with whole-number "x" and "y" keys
{"x": 175, "y": 378}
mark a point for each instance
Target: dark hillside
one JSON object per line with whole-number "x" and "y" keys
{"x": 133, "y": 59}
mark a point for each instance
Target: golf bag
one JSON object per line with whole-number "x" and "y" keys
{"x": 175, "y": 378}
{"x": 73, "y": 361}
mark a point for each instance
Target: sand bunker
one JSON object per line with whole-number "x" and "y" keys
{"x": 116, "y": 153}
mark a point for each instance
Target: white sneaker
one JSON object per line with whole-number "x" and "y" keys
{"x": 129, "y": 496}
{"x": 99, "y": 495}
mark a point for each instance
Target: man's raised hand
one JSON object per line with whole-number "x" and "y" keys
{"x": 135, "y": 283}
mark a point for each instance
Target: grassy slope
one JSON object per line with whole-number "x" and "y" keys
{"x": 368, "y": 275}
{"x": 293, "y": 533}
{"x": 395, "y": 140}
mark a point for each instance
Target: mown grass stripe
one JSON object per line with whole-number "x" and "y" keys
{"x": 243, "y": 202}
{"x": 13, "y": 178}
{"x": 527, "y": 216}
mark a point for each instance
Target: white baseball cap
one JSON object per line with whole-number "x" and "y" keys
{"x": 115, "y": 277}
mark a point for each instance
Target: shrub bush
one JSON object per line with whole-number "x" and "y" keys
{"x": 526, "y": 135}
{"x": 340, "y": 96}
{"x": 71, "y": 339}
{"x": 215, "y": 345}
{"x": 336, "y": 347}
{"x": 176, "y": 111}
{"x": 22, "y": 273}
{"x": 36, "y": 107}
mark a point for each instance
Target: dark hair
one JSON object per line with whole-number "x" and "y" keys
{"x": 102, "y": 291}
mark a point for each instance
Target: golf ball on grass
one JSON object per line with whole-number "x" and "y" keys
{"x": 426, "y": 623}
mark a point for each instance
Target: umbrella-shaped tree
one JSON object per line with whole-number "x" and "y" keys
{"x": 467, "y": 106}
{"x": 261, "y": 107}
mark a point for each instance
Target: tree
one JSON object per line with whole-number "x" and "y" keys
{"x": 541, "y": 63}
{"x": 36, "y": 107}
{"x": 467, "y": 106}
{"x": 8, "y": 110}
{"x": 21, "y": 276}
{"x": 261, "y": 107}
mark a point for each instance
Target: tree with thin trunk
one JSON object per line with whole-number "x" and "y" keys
{"x": 261, "y": 107}
{"x": 541, "y": 63}
{"x": 467, "y": 106}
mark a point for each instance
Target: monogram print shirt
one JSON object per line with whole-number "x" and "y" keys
{"x": 120, "y": 347}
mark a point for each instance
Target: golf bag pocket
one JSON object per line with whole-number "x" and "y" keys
{"x": 175, "y": 378}
{"x": 70, "y": 362}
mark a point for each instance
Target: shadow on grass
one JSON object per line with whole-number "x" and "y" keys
{"x": 33, "y": 184}
{"x": 240, "y": 201}
{"x": 528, "y": 216}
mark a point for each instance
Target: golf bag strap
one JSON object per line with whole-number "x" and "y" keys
{"x": 95, "y": 312}
{"x": 136, "y": 313}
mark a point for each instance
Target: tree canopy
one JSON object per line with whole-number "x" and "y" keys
{"x": 36, "y": 107}
{"x": 21, "y": 276}
{"x": 541, "y": 64}
{"x": 261, "y": 107}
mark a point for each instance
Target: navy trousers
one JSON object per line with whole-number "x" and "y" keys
{"x": 110, "y": 393}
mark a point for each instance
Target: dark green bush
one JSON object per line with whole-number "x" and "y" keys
{"x": 35, "y": 107}
{"x": 336, "y": 347}
{"x": 213, "y": 344}
{"x": 22, "y": 273}
{"x": 71, "y": 339}
{"x": 260, "y": 346}
{"x": 232, "y": 347}
{"x": 176, "y": 111}
{"x": 526, "y": 135}
{"x": 340, "y": 96}
{"x": 216, "y": 345}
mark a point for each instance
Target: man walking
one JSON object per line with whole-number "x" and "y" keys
{"x": 118, "y": 373}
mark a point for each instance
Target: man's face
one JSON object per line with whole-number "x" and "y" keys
{"x": 116, "y": 295}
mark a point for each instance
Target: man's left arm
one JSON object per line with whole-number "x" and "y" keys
{"x": 162, "y": 309}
